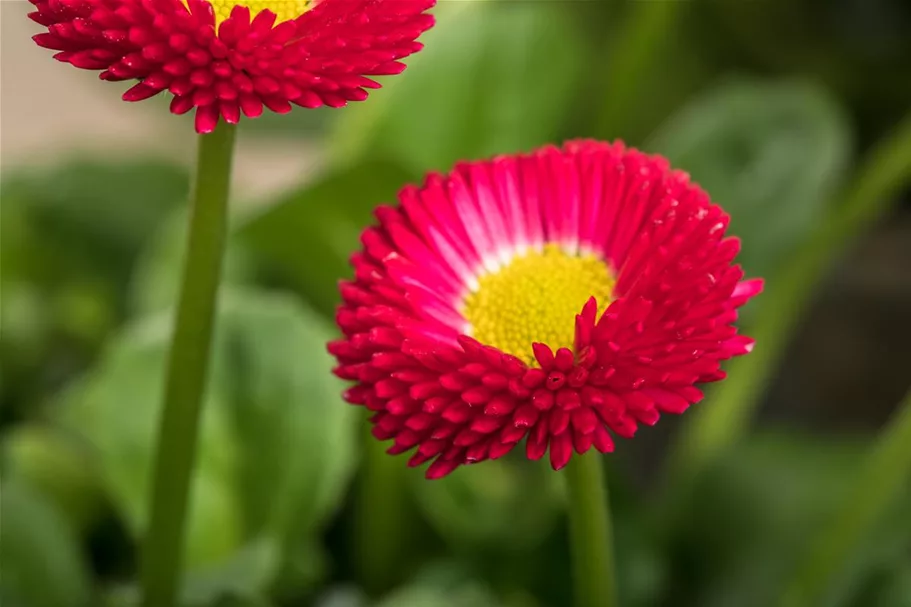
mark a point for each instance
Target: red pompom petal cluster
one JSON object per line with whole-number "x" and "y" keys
{"x": 458, "y": 401}
{"x": 323, "y": 57}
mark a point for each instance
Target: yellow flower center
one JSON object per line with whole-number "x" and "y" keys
{"x": 285, "y": 10}
{"x": 535, "y": 298}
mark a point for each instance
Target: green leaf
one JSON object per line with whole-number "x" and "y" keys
{"x": 296, "y": 438}
{"x": 116, "y": 410}
{"x": 771, "y": 154}
{"x": 39, "y": 554}
{"x": 494, "y": 77}
{"x": 276, "y": 449}
{"x": 306, "y": 237}
{"x": 506, "y": 503}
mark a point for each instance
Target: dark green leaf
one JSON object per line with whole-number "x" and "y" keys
{"x": 99, "y": 212}
{"x": 344, "y": 596}
{"x": 69, "y": 236}
{"x": 239, "y": 580}
{"x": 236, "y": 581}
{"x": 507, "y": 503}
{"x": 892, "y": 588}
{"x": 652, "y": 59}
{"x": 58, "y": 467}
{"x": 39, "y": 554}
{"x": 495, "y": 77}
{"x": 307, "y": 237}
{"x": 444, "y": 584}
{"x": 305, "y": 565}
{"x": 755, "y": 514}
{"x": 771, "y": 154}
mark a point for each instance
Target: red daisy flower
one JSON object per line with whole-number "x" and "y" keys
{"x": 554, "y": 297}
{"x": 224, "y": 57}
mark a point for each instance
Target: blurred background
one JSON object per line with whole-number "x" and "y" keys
{"x": 794, "y": 114}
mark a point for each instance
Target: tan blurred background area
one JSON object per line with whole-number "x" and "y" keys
{"x": 50, "y": 111}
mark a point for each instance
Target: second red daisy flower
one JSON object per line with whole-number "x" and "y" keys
{"x": 556, "y": 297}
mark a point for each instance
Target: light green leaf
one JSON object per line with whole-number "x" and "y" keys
{"x": 770, "y": 153}
{"x": 39, "y": 554}
{"x": 276, "y": 449}
{"x": 296, "y": 437}
{"x": 494, "y": 77}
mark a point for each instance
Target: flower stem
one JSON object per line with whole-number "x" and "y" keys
{"x": 382, "y": 529}
{"x": 590, "y": 533}
{"x": 886, "y": 472}
{"x": 187, "y": 369}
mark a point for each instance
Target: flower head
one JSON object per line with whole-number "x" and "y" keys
{"x": 556, "y": 297}
{"x": 227, "y": 57}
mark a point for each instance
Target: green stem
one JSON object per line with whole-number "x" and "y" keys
{"x": 381, "y": 526}
{"x": 885, "y": 473}
{"x": 590, "y": 533}
{"x": 186, "y": 370}
{"x": 722, "y": 420}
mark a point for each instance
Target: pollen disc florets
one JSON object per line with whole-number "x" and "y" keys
{"x": 534, "y": 297}
{"x": 284, "y": 10}
{"x": 226, "y": 58}
{"x": 555, "y": 297}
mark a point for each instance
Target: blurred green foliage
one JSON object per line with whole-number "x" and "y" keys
{"x": 322, "y": 220}
{"x": 39, "y": 552}
{"x": 507, "y": 506}
{"x": 475, "y": 90}
{"x": 90, "y": 254}
{"x": 771, "y": 153}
